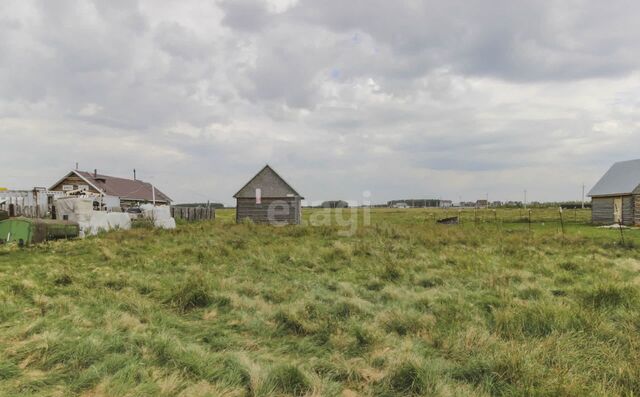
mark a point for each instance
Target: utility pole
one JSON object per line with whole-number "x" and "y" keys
{"x": 583, "y": 196}
{"x": 525, "y": 199}
{"x": 153, "y": 195}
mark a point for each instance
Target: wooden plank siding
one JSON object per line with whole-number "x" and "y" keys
{"x": 602, "y": 212}
{"x": 627, "y": 210}
{"x": 284, "y": 210}
{"x": 636, "y": 210}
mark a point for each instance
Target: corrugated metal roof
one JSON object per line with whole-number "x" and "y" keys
{"x": 622, "y": 178}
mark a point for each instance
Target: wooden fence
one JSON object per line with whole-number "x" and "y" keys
{"x": 27, "y": 211}
{"x": 193, "y": 214}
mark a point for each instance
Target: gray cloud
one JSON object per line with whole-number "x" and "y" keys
{"x": 419, "y": 98}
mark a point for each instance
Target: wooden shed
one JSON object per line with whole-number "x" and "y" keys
{"x": 267, "y": 198}
{"x": 616, "y": 197}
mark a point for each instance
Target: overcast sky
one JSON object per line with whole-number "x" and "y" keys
{"x": 405, "y": 99}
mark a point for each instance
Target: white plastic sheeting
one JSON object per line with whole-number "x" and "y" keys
{"x": 74, "y": 209}
{"x": 91, "y": 222}
{"x": 160, "y": 215}
{"x": 105, "y": 221}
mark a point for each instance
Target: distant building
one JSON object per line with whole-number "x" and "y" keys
{"x": 616, "y": 196}
{"x": 400, "y": 205}
{"x": 419, "y": 203}
{"x": 335, "y": 204}
{"x": 482, "y": 204}
{"x": 113, "y": 191}
{"x": 446, "y": 203}
{"x": 268, "y": 198}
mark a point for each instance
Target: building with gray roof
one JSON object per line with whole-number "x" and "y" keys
{"x": 268, "y": 198}
{"x": 616, "y": 196}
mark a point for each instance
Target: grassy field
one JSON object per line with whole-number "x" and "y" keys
{"x": 398, "y": 308}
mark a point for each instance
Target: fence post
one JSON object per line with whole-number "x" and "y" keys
{"x": 621, "y": 233}
{"x": 529, "y": 218}
{"x": 561, "y": 222}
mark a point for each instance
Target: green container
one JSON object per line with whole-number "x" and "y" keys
{"x": 25, "y": 231}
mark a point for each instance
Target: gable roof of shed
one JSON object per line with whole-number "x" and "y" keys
{"x": 270, "y": 184}
{"x": 127, "y": 189}
{"x": 622, "y": 178}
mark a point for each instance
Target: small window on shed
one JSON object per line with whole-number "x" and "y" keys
{"x": 83, "y": 187}
{"x": 258, "y": 196}
{"x": 67, "y": 188}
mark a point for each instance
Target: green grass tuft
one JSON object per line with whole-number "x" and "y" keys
{"x": 408, "y": 379}
{"x": 287, "y": 379}
{"x": 192, "y": 294}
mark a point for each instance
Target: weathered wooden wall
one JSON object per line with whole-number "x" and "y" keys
{"x": 193, "y": 214}
{"x": 602, "y": 210}
{"x": 627, "y": 210}
{"x": 636, "y": 210}
{"x": 271, "y": 211}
